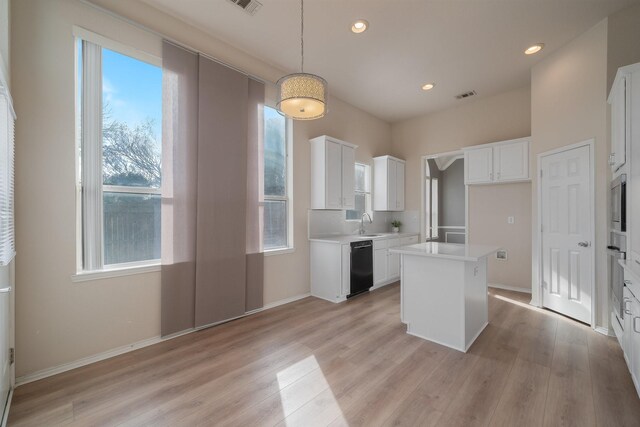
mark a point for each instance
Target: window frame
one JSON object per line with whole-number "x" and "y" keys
{"x": 368, "y": 207}
{"x": 117, "y": 269}
{"x": 288, "y": 197}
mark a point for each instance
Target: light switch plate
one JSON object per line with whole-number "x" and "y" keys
{"x": 511, "y": 220}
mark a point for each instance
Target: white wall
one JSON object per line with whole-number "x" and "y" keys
{"x": 496, "y": 118}
{"x": 568, "y": 105}
{"x": 59, "y": 321}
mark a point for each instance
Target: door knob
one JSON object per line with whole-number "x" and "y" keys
{"x": 583, "y": 244}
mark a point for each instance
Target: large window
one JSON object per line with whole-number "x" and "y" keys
{"x": 362, "y": 193}
{"x": 277, "y": 215}
{"x": 120, "y": 98}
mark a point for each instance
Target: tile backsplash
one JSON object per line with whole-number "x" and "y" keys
{"x": 325, "y": 222}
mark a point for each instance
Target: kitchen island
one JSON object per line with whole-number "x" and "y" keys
{"x": 444, "y": 291}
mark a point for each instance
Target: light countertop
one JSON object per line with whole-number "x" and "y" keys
{"x": 454, "y": 251}
{"x": 348, "y": 238}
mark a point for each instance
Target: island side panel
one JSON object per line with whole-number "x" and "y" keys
{"x": 433, "y": 299}
{"x": 475, "y": 300}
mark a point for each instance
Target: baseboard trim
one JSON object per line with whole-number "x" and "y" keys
{"x": 509, "y": 288}
{"x": 604, "y": 331}
{"x": 44, "y": 373}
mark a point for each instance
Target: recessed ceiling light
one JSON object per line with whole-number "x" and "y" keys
{"x": 534, "y": 49}
{"x": 359, "y": 26}
{"x": 428, "y": 86}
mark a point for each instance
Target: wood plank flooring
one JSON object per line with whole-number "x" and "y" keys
{"x": 314, "y": 363}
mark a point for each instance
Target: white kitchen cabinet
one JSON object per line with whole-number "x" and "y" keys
{"x": 394, "y": 260}
{"x": 499, "y": 162}
{"x": 388, "y": 183}
{"x": 332, "y": 173}
{"x": 478, "y": 165}
{"x": 380, "y": 265}
{"x": 330, "y": 270}
{"x": 386, "y": 265}
{"x": 619, "y": 129}
{"x": 630, "y": 341}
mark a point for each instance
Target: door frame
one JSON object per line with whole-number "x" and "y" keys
{"x": 423, "y": 171}
{"x": 590, "y": 143}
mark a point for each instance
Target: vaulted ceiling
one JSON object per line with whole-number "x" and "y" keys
{"x": 461, "y": 45}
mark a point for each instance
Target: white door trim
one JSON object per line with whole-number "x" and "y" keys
{"x": 423, "y": 171}
{"x": 592, "y": 165}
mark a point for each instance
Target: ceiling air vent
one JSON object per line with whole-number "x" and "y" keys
{"x": 249, "y": 6}
{"x": 466, "y": 94}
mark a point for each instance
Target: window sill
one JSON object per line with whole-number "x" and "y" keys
{"x": 85, "y": 276}
{"x": 279, "y": 251}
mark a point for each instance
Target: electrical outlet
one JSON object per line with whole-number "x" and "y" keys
{"x": 511, "y": 220}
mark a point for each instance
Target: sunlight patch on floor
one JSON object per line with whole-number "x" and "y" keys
{"x": 534, "y": 308}
{"x": 315, "y": 385}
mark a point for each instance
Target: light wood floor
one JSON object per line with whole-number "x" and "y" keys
{"x": 313, "y": 363}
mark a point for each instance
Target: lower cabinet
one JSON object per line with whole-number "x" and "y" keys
{"x": 631, "y": 336}
{"x": 386, "y": 265}
{"x": 330, "y": 270}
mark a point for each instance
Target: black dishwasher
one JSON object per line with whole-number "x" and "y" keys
{"x": 361, "y": 267}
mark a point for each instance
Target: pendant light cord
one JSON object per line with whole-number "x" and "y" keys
{"x": 302, "y": 36}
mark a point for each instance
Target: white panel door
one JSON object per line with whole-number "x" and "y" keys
{"x": 348, "y": 180}
{"x": 333, "y": 175}
{"x": 478, "y": 165}
{"x": 380, "y": 265}
{"x": 567, "y": 251}
{"x": 511, "y": 161}
{"x": 399, "y": 186}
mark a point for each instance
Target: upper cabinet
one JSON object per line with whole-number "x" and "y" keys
{"x": 506, "y": 161}
{"x": 388, "y": 184}
{"x": 619, "y": 119}
{"x": 332, "y": 173}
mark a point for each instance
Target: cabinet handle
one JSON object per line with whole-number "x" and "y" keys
{"x": 498, "y": 175}
{"x": 624, "y": 305}
{"x": 635, "y": 329}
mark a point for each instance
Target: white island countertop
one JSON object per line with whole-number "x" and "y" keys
{"x": 454, "y": 251}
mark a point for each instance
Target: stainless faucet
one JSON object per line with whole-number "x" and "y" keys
{"x": 362, "y": 230}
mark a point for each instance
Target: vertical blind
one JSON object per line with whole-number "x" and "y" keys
{"x": 212, "y": 260}
{"x": 7, "y": 229}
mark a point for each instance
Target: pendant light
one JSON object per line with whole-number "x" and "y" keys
{"x": 302, "y": 96}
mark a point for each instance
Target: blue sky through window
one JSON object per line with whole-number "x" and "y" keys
{"x": 132, "y": 89}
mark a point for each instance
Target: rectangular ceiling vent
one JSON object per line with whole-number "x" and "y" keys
{"x": 466, "y": 94}
{"x": 249, "y": 6}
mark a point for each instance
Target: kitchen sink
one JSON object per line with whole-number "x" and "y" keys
{"x": 369, "y": 235}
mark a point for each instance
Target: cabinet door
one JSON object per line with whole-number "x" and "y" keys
{"x": 511, "y": 161}
{"x": 478, "y": 165}
{"x": 333, "y": 176}
{"x": 626, "y": 339}
{"x": 392, "y": 180}
{"x": 394, "y": 260}
{"x": 634, "y": 340}
{"x": 399, "y": 186}
{"x": 380, "y": 265}
{"x": 346, "y": 269}
{"x": 619, "y": 125}
{"x": 348, "y": 172}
